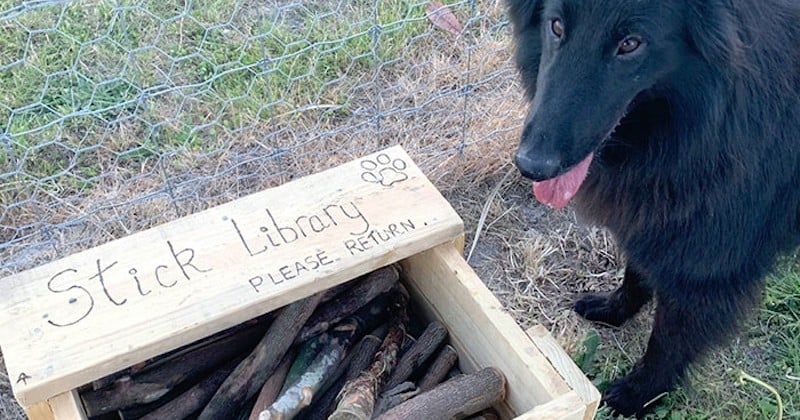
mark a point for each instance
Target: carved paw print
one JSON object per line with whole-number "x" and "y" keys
{"x": 384, "y": 170}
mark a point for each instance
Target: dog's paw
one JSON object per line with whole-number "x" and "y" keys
{"x": 384, "y": 170}
{"x": 631, "y": 397}
{"x": 602, "y": 307}
{"x": 622, "y": 400}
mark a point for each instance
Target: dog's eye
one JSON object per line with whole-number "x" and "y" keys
{"x": 557, "y": 27}
{"x": 629, "y": 45}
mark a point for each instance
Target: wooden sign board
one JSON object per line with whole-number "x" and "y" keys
{"x": 72, "y": 321}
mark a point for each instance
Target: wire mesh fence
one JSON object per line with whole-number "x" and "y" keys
{"x": 119, "y": 115}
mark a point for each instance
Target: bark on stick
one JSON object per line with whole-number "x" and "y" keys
{"x": 365, "y": 290}
{"x": 250, "y": 375}
{"x": 426, "y": 345}
{"x": 456, "y": 398}
{"x": 271, "y": 389}
{"x": 156, "y": 382}
{"x": 436, "y": 373}
{"x": 357, "y": 399}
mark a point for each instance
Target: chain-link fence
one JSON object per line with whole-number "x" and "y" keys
{"x": 119, "y": 115}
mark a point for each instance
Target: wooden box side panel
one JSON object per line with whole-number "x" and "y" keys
{"x": 69, "y": 322}
{"x": 66, "y": 406}
{"x": 580, "y": 403}
{"x": 571, "y": 373}
{"x": 566, "y": 407}
{"x": 447, "y": 289}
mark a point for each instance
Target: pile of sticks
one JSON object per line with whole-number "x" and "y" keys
{"x": 345, "y": 353}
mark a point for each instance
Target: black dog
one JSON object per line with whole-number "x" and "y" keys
{"x": 676, "y": 124}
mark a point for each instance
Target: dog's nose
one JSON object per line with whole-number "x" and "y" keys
{"x": 537, "y": 168}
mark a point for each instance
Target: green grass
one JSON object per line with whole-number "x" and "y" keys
{"x": 208, "y": 67}
{"x": 769, "y": 350}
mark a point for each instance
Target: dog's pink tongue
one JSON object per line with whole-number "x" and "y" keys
{"x": 558, "y": 191}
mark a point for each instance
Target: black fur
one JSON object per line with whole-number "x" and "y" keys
{"x": 696, "y": 137}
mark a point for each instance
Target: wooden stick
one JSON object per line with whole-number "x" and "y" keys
{"x": 272, "y": 387}
{"x": 365, "y": 290}
{"x": 154, "y": 383}
{"x": 364, "y": 357}
{"x": 249, "y": 376}
{"x": 321, "y": 407}
{"x": 456, "y": 398}
{"x": 124, "y": 374}
{"x": 300, "y": 394}
{"x": 305, "y": 356}
{"x": 361, "y": 357}
{"x": 388, "y": 402}
{"x": 438, "y": 370}
{"x": 334, "y": 291}
{"x": 335, "y": 343}
{"x": 455, "y": 372}
{"x": 357, "y": 399}
{"x": 195, "y": 397}
{"x": 394, "y": 397}
{"x": 426, "y": 345}
{"x": 197, "y": 346}
{"x": 356, "y": 358}
{"x": 408, "y": 342}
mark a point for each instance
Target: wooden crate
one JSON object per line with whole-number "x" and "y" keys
{"x": 75, "y": 320}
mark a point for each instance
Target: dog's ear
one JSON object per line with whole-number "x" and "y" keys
{"x": 713, "y": 33}
{"x": 525, "y": 16}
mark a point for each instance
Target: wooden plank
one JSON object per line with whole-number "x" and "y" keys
{"x": 574, "y": 376}
{"x": 75, "y": 320}
{"x": 39, "y": 411}
{"x": 67, "y": 406}
{"x": 566, "y": 407}
{"x": 483, "y": 333}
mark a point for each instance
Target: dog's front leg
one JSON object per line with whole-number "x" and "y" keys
{"x": 616, "y": 307}
{"x": 686, "y": 325}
